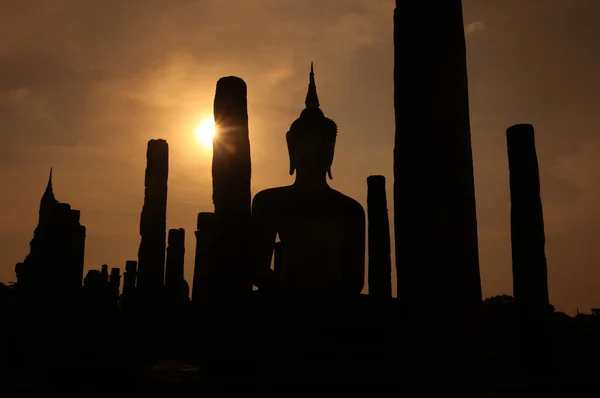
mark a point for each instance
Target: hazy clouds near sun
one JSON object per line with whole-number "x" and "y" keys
{"x": 85, "y": 84}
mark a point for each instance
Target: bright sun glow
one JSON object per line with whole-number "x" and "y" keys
{"x": 205, "y": 131}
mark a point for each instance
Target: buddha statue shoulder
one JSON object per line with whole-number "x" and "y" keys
{"x": 322, "y": 231}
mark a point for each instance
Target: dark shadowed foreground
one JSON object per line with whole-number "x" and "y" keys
{"x": 283, "y": 344}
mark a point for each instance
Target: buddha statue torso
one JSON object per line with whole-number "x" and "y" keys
{"x": 319, "y": 233}
{"x": 322, "y": 231}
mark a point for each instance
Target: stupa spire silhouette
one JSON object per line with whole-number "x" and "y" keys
{"x": 48, "y": 197}
{"x": 312, "y": 99}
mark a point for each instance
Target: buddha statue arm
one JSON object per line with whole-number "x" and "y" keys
{"x": 263, "y": 239}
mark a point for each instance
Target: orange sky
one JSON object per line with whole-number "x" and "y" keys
{"x": 85, "y": 84}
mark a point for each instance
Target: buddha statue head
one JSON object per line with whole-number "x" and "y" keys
{"x": 311, "y": 139}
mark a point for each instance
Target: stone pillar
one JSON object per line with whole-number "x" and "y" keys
{"x": 115, "y": 281}
{"x": 151, "y": 255}
{"x": 277, "y": 256}
{"x": 434, "y": 194}
{"x": 175, "y": 265}
{"x": 104, "y": 273}
{"x": 203, "y": 262}
{"x": 530, "y": 279}
{"x": 435, "y": 222}
{"x": 231, "y": 168}
{"x": 380, "y": 262}
{"x": 115, "y": 285}
{"x": 231, "y": 171}
{"x": 129, "y": 277}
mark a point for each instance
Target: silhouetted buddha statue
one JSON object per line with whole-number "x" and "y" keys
{"x": 322, "y": 231}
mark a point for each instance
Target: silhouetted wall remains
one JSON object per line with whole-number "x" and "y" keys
{"x": 530, "y": 279}
{"x": 92, "y": 279}
{"x": 153, "y": 224}
{"x": 175, "y": 284}
{"x": 54, "y": 265}
{"x": 231, "y": 171}
{"x": 99, "y": 293}
{"x": 434, "y": 196}
{"x": 380, "y": 262}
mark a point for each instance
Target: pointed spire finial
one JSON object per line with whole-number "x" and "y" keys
{"x": 48, "y": 196}
{"x": 312, "y": 100}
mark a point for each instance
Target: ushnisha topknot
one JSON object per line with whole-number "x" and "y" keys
{"x": 312, "y": 121}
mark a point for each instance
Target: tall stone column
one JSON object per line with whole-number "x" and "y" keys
{"x": 231, "y": 167}
{"x": 231, "y": 171}
{"x": 203, "y": 262}
{"x": 153, "y": 225}
{"x": 434, "y": 194}
{"x": 380, "y": 262}
{"x": 174, "y": 281}
{"x": 530, "y": 279}
{"x": 435, "y": 222}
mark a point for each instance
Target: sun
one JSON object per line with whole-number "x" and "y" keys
{"x": 205, "y": 131}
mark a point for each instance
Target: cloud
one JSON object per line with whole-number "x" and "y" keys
{"x": 25, "y": 118}
{"x": 581, "y": 169}
{"x": 474, "y": 27}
